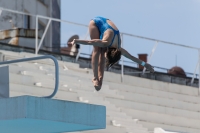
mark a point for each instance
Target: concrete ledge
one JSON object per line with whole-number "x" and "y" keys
{"x": 40, "y": 115}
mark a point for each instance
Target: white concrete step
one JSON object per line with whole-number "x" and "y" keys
{"x": 153, "y": 92}
{"x": 123, "y": 122}
{"x": 17, "y": 93}
{"x": 113, "y": 129}
{"x": 94, "y": 93}
{"x": 39, "y": 73}
{"x": 141, "y": 98}
{"x": 125, "y": 125}
{"x": 102, "y": 89}
{"x": 63, "y": 66}
{"x": 29, "y": 81}
{"x": 153, "y": 84}
{"x": 35, "y": 68}
{"x": 41, "y": 91}
{"x": 36, "y": 72}
{"x": 12, "y": 56}
{"x": 109, "y": 111}
{"x": 50, "y": 83}
{"x": 129, "y": 120}
{"x": 152, "y": 125}
{"x": 119, "y": 115}
{"x": 109, "y": 129}
{"x": 35, "y": 82}
{"x": 45, "y": 80}
{"x": 163, "y": 118}
{"x": 158, "y": 109}
{"x": 109, "y": 107}
{"x": 46, "y": 62}
{"x": 45, "y": 76}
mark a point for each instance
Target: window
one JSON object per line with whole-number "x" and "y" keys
{"x": 27, "y": 21}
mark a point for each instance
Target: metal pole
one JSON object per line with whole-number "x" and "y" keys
{"x": 152, "y": 52}
{"x": 36, "y": 36}
{"x": 0, "y": 11}
{"x": 45, "y": 31}
{"x": 122, "y": 59}
{"x": 192, "y": 81}
{"x": 199, "y": 72}
{"x": 151, "y": 39}
{"x": 40, "y": 58}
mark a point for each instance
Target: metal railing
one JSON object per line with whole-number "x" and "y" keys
{"x": 170, "y": 43}
{"x": 39, "y": 58}
{"x": 37, "y": 48}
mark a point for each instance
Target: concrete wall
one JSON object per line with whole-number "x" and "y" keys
{"x": 50, "y": 8}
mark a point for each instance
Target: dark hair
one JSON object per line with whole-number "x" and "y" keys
{"x": 113, "y": 55}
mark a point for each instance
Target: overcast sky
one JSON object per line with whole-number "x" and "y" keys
{"x": 175, "y": 21}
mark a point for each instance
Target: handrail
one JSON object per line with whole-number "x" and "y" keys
{"x": 39, "y": 58}
{"x": 161, "y": 41}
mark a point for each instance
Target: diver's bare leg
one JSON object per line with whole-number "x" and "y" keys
{"x": 95, "y": 60}
{"x": 101, "y": 65}
{"x": 94, "y": 34}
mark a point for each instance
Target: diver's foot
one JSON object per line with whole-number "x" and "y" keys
{"x": 97, "y": 84}
{"x": 98, "y": 88}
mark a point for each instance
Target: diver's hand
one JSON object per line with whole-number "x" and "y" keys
{"x": 73, "y": 42}
{"x": 149, "y": 67}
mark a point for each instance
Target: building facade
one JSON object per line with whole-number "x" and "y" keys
{"x": 49, "y": 8}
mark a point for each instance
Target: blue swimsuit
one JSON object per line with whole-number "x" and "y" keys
{"x": 102, "y": 25}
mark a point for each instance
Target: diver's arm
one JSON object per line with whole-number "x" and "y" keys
{"x": 94, "y": 42}
{"x": 129, "y": 56}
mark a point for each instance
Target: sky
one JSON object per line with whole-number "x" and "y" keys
{"x": 176, "y": 21}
